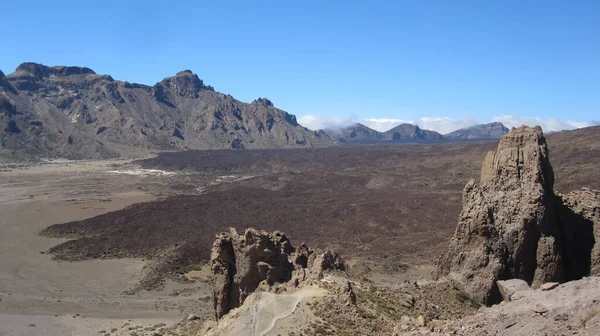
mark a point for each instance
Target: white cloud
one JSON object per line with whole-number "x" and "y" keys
{"x": 548, "y": 124}
{"x": 445, "y": 125}
{"x": 442, "y": 125}
{"x": 319, "y": 122}
{"x": 384, "y": 124}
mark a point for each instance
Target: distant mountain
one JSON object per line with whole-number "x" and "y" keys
{"x": 413, "y": 133}
{"x": 359, "y": 132}
{"x": 74, "y": 112}
{"x": 409, "y": 132}
{"x": 491, "y": 131}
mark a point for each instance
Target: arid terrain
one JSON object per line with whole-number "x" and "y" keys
{"x": 389, "y": 210}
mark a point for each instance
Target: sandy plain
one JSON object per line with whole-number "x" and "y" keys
{"x": 40, "y": 296}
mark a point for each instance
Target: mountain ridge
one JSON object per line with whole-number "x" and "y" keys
{"x": 412, "y": 133}
{"x": 73, "y": 112}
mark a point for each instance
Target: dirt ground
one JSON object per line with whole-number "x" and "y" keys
{"x": 40, "y": 296}
{"x": 389, "y": 210}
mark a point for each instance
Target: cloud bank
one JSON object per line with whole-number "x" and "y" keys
{"x": 442, "y": 125}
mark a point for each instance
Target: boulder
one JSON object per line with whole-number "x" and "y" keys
{"x": 549, "y": 286}
{"x": 509, "y": 287}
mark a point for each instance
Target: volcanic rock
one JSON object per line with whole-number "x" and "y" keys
{"x": 257, "y": 259}
{"x": 513, "y": 225}
{"x": 579, "y": 216}
{"x": 509, "y": 287}
{"x": 507, "y": 228}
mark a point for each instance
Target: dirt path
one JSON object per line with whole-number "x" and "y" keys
{"x": 266, "y": 314}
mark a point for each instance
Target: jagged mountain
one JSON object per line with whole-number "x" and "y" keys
{"x": 74, "y": 112}
{"x": 491, "y": 131}
{"x": 409, "y": 132}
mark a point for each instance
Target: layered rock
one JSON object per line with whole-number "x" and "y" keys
{"x": 508, "y": 228}
{"x": 244, "y": 262}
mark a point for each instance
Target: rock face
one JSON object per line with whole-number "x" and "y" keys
{"x": 513, "y": 226}
{"x": 579, "y": 216}
{"x": 244, "y": 262}
{"x": 104, "y": 117}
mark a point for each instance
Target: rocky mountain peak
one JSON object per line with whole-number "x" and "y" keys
{"x": 409, "y": 132}
{"x": 40, "y": 71}
{"x": 4, "y": 83}
{"x": 185, "y": 84}
{"x": 522, "y": 157}
{"x": 513, "y": 226}
{"x": 263, "y": 101}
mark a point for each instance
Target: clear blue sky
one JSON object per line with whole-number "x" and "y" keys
{"x": 335, "y": 60}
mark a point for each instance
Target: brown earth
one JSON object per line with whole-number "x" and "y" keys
{"x": 386, "y": 205}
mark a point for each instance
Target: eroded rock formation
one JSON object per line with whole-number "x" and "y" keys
{"x": 513, "y": 225}
{"x": 244, "y": 262}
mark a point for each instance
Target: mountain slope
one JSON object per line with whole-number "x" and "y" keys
{"x": 359, "y": 132}
{"x": 491, "y": 131}
{"x": 409, "y": 132}
{"x": 74, "y": 112}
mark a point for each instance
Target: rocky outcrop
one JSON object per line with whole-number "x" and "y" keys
{"x": 579, "y": 218}
{"x": 257, "y": 259}
{"x": 513, "y": 226}
{"x": 568, "y": 309}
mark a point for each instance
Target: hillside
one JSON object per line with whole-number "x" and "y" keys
{"x": 489, "y": 131}
{"x": 409, "y": 132}
{"x": 74, "y": 112}
{"x": 359, "y": 132}
{"x": 412, "y": 133}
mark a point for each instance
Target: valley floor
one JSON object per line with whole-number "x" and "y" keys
{"x": 40, "y": 296}
{"x": 389, "y": 211}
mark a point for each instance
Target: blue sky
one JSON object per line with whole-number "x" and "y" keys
{"x": 440, "y": 64}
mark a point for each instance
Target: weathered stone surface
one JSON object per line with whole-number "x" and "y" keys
{"x": 549, "y": 286}
{"x": 541, "y": 309}
{"x": 507, "y": 228}
{"x": 513, "y": 225}
{"x": 579, "y": 217}
{"x": 257, "y": 259}
{"x": 509, "y": 287}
